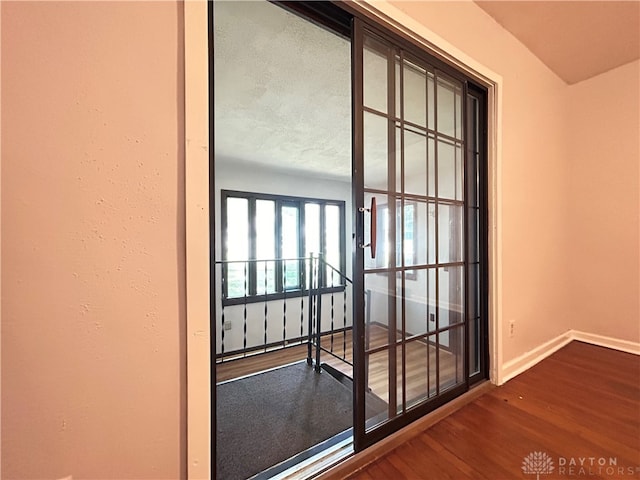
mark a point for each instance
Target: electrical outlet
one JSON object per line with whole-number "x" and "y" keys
{"x": 227, "y": 325}
{"x": 432, "y": 317}
{"x": 512, "y": 327}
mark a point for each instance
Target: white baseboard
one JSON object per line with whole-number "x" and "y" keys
{"x": 527, "y": 360}
{"x": 609, "y": 342}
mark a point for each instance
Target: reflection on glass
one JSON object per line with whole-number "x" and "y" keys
{"x": 421, "y": 383}
{"x": 375, "y": 151}
{"x": 459, "y": 173}
{"x": 379, "y": 299}
{"x": 377, "y": 392}
{"x": 398, "y": 81}
{"x": 448, "y": 111}
{"x": 450, "y": 174}
{"x": 432, "y": 300}
{"x": 450, "y": 296}
{"x": 420, "y": 302}
{"x": 431, "y": 166}
{"x": 431, "y": 112}
{"x": 394, "y": 242}
{"x": 474, "y": 347}
{"x": 431, "y": 233}
{"x": 375, "y": 75}
{"x": 458, "y": 116}
{"x": 415, "y": 163}
{"x": 473, "y": 300}
{"x": 409, "y": 243}
{"x": 450, "y": 233}
{"x": 400, "y": 406}
{"x": 383, "y": 320}
{"x": 415, "y": 94}
{"x": 451, "y": 357}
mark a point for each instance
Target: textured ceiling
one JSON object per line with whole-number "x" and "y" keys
{"x": 282, "y": 91}
{"x": 283, "y": 96}
{"x": 575, "y": 39}
{"x": 282, "y": 84}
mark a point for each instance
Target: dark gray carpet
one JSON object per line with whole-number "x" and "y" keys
{"x": 269, "y": 417}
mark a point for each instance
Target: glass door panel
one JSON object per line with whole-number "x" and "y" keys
{"x": 412, "y": 237}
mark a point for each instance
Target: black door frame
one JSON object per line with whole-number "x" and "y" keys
{"x": 363, "y": 439}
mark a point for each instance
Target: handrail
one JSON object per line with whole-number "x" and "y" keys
{"x": 342, "y": 275}
{"x": 320, "y": 281}
{"x": 296, "y": 259}
{"x": 222, "y": 262}
{"x": 318, "y": 333}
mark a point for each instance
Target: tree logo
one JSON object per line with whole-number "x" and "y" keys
{"x": 537, "y": 463}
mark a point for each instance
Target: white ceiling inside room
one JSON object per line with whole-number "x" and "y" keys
{"x": 575, "y": 39}
{"x": 282, "y": 92}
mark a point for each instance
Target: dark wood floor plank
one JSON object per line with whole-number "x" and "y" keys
{"x": 367, "y": 475}
{"x": 623, "y": 388}
{"x": 612, "y": 361}
{"x": 471, "y": 445}
{"x": 583, "y": 427}
{"x": 546, "y": 402}
{"x": 386, "y": 469}
{"x": 449, "y": 457}
{"x": 429, "y": 463}
{"x": 581, "y": 402}
{"x": 554, "y": 436}
{"x": 373, "y": 470}
{"x": 404, "y": 464}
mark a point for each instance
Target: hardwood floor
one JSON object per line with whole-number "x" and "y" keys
{"x": 580, "y": 407}
{"x": 420, "y": 364}
{"x": 256, "y": 363}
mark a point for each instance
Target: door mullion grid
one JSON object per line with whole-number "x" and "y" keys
{"x": 402, "y": 232}
{"x": 397, "y": 197}
{"x": 360, "y": 358}
{"x": 465, "y": 228}
{"x": 437, "y": 227}
{"x": 391, "y": 209}
{"x": 428, "y": 173}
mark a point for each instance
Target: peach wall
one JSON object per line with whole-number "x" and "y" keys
{"x": 196, "y": 176}
{"x": 534, "y": 175}
{"x": 93, "y": 300}
{"x": 605, "y": 204}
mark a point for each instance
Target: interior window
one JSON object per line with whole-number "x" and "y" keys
{"x": 269, "y": 239}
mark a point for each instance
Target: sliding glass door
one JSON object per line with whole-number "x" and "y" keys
{"x": 414, "y": 263}
{"x": 409, "y": 296}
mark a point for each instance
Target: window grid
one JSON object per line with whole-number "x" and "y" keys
{"x": 285, "y": 273}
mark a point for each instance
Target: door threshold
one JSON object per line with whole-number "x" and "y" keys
{"x": 348, "y": 464}
{"x": 317, "y": 463}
